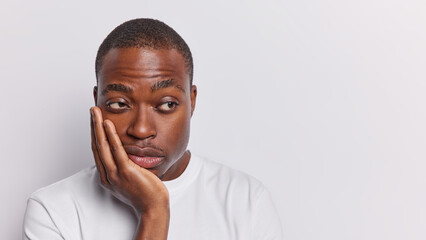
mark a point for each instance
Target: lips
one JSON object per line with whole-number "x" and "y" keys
{"x": 146, "y": 157}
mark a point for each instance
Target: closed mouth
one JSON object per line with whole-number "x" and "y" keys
{"x": 146, "y": 157}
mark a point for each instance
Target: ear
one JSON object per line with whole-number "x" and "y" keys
{"x": 95, "y": 94}
{"x": 193, "y": 98}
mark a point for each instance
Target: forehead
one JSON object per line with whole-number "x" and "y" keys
{"x": 136, "y": 64}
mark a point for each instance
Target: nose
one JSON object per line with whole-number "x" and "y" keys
{"x": 142, "y": 125}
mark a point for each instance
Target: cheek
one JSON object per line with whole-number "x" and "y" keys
{"x": 174, "y": 134}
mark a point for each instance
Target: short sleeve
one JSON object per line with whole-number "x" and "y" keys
{"x": 38, "y": 224}
{"x": 266, "y": 222}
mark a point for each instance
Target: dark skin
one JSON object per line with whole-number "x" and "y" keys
{"x": 140, "y": 130}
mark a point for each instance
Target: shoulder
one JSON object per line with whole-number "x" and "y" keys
{"x": 241, "y": 197}
{"x": 55, "y": 210}
{"x": 77, "y": 206}
{"x": 80, "y": 184}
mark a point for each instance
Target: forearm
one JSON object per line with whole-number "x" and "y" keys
{"x": 153, "y": 225}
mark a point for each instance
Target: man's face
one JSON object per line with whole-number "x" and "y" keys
{"x": 147, "y": 95}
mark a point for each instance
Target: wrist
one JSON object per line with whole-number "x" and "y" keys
{"x": 155, "y": 213}
{"x": 153, "y": 224}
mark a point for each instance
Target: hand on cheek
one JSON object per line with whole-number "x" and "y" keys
{"x": 129, "y": 182}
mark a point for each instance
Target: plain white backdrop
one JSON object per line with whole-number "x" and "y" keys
{"x": 323, "y": 101}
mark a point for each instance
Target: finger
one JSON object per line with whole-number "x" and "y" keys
{"x": 120, "y": 155}
{"x": 98, "y": 162}
{"x": 103, "y": 146}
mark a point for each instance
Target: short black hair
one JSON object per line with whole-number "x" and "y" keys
{"x": 145, "y": 33}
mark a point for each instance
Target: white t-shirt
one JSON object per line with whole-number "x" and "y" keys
{"x": 208, "y": 201}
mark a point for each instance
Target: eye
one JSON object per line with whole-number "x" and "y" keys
{"x": 117, "y": 105}
{"x": 167, "y": 106}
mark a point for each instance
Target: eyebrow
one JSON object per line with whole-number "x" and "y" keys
{"x": 117, "y": 87}
{"x": 165, "y": 84}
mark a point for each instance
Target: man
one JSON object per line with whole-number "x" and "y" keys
{"x": 146, "y": 184}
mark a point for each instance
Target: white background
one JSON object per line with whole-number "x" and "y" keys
{"x": 323, "y": 101}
